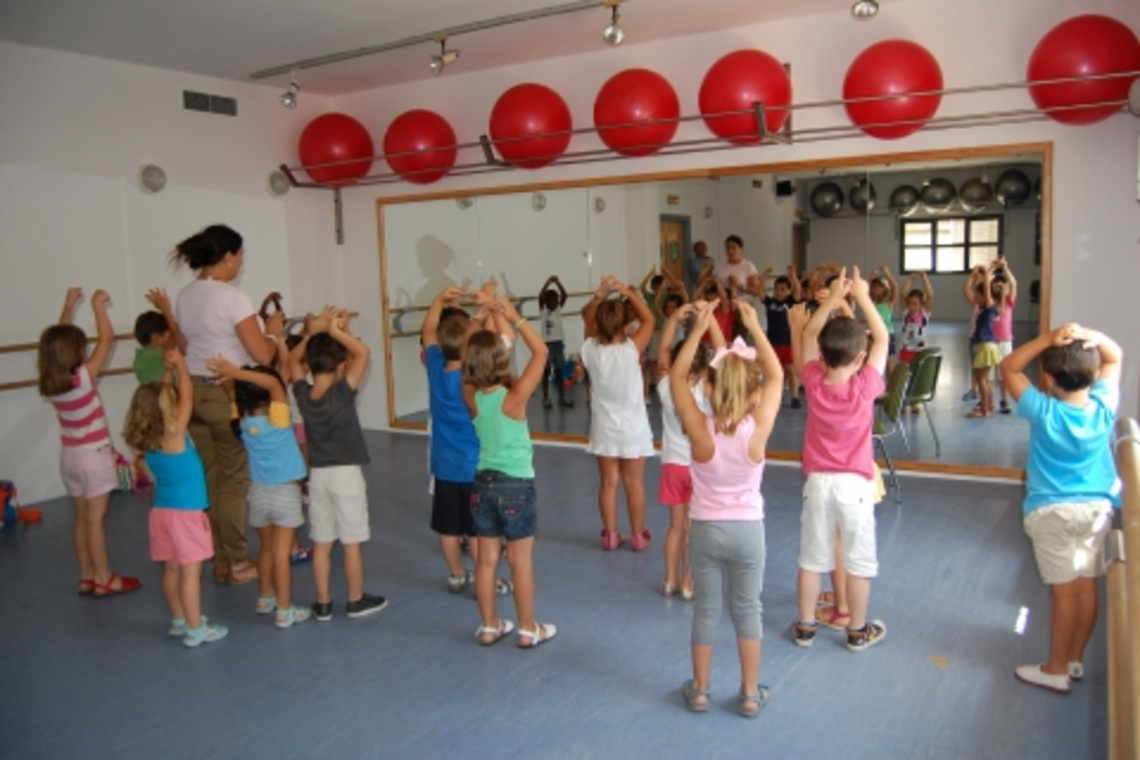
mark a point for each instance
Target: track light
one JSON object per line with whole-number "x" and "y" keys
{"x": 864, "y": 8}
{"x": 444, "y": 59}
{"x": 289, "y": 97}
{"x": 613, "y": 34}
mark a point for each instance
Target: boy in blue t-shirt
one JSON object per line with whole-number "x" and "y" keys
{"x": 1070, "y": 481}
{"x": 454, "y": 446}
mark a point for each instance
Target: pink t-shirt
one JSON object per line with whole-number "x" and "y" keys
{"x": 82, "y": 421}
{"x": 1003, "y": 324}
{"x": 839, "y": 421}
{"x": 727, "y": 487}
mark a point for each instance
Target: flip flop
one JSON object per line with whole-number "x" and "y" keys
{"x": 505, "y": 627}
{"x": 542, "y": 633}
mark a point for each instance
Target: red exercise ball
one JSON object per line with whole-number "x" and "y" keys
{"x": 335, "y": 137}
{"x": 420, "y": 146}
{"x": 530, "y": 125}
{"x": 641, "y": 98}
{"x": 892, "y": 67}
{"x": 1083, "y": 46}
{"x": 735, "y": 83}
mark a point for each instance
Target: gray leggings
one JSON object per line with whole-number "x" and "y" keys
{"x": 733, "y": 550}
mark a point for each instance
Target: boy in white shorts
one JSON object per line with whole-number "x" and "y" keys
{"x": 842, "y": 377}
{"x": 338, "y": 501}
{"x": 1070, "y": 482}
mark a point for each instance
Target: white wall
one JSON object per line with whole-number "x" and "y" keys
{"x": 75, "y": 131}
{"x": 1097, "y": 219}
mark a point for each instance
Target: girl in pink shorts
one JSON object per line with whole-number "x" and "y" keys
{"x": 676, "y": 485}
{"x": 67, "y": 378}
{"x": 179, "y": 530}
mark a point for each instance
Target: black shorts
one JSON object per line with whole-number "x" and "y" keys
{"x": 451, "y": 508}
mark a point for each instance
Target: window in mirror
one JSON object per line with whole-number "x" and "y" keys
{"x": 949, "y": 244}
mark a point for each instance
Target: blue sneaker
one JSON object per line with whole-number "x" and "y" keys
{"x": 204, "y": 634}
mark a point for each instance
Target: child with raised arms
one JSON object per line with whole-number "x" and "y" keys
{"x": 276, "y": 469}
{"x": 503, "y": 505}
{"x": 726, "y": 536}
{"x": 157, "y": 425}
{"x": 87, "y": 463}
{"x": 620, "y": 436}
{"x": 842, "y": 377}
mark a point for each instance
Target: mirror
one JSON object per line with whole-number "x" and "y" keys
{"x": 938, "y": 212}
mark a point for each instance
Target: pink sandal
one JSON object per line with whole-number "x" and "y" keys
{"x": 836, "y": 621}
{"x": 126, "y": 584}
{"x": 611, "y": 540}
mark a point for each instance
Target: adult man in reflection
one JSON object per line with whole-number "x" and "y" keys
{"x": 699, "y": 264}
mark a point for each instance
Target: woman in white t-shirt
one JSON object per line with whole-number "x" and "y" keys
{"x": 217, "y": 319}
{"x": 620, "y": 436}
{"x": 737, "y": 272}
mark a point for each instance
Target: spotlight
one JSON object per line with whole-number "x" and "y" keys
{"x": 864, "y": 8}
{"x": 444, "y": 59}
{"x": 613, "y": 34}
{"x": 289, "y": 97}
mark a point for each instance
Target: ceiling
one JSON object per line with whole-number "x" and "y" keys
{"x": 230, "y": 39}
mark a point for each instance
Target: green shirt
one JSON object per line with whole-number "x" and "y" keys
{"x": 504, "y": 444}
{"x": 149, "y": 365}
{"x": 886, "y": 313}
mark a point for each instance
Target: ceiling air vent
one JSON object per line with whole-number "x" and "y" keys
{"x": 201, "y": 101}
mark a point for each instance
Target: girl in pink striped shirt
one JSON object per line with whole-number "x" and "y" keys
{"x": 67, "y": 379}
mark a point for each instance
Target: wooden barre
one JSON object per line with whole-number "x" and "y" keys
{"x": 15, "y": 348}
{"x": 17, "y": 384}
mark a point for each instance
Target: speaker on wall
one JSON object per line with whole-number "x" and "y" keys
{"x": 784, "y": 188}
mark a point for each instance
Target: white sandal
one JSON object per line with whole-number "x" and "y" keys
{"x": 542, "y": 633}
{"x": 505, "y": 627}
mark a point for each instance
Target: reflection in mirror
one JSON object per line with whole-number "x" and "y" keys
{"x": 897, "y": 222}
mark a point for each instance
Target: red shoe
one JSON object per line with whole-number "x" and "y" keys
{"x": 639, "y": 542}
{"x": 126, "y": 583}
{"x": 611, "y": 540}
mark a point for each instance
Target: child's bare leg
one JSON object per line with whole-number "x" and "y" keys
{"x": 353, "y": 571}
{"x": 633, "y": 479}
{"x": 520, "y": 556}
{"x": 322, "y": 570}
{"x": 674, "y": 543}
{"x": 486, "y": 563}
{"x": 95, "y": 518}
{"x": 986, "y": 390}
{"x": 793, "y": 379}
{"x": 172, "y": 589}
{"x": 449, "y": 547}
{"x": 265, "y": 562}
{"x": 858, "y": 597}
{"x": 749, "y": 650}
{"x": 1087, "y": 611}
{"x": 82, "y": 546}
{"x": 702, "y": 666}
{"x": 609, "y": 475}
{"x": 190, "y": 593}
{"x": 280, "y": 548}
{"x": 839, "y": 578}
{"x": 1064, "y": 626}
{"x": 808, "y": 591}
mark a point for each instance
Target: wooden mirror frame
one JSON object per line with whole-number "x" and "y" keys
{"x": 991, "y": 152}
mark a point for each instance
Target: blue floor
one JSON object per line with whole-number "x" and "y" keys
{"x": 101, "y": 679}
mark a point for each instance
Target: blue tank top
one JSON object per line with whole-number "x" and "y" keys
{"x": 180, "y": 480}
{"x": 984, "y": 327}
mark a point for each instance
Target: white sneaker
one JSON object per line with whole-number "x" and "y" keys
{"x": 1076, "y": 671}
{"x": 1033, "y": 674}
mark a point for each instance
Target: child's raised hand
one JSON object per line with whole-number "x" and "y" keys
{"x": 857, "y": 285}
{"x": 705, "y": 316}
{"x": 100, "y": 298}
{"x": 748, "y": 316}
{"x": 158, "y": 297}
{"x": 222, "y": 366}
{"x": 840, "y": 286}
{"x": 505, "y": 306}
{"x": 173, "y": 358}
{"x": 1066, "y": 334}
{"x": 451, "y": 294}
{"x": 683, "y": 311}
{"x": 73, "y": 296}
{"x": 798, "y": 317}
{"x": 275, "y": 324}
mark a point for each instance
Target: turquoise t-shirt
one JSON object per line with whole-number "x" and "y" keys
{"x": 274, "y": 456}
{"x": 180, "y": 480}
{"x": 1070, "y": 455}
{"x": 504, "y": 444}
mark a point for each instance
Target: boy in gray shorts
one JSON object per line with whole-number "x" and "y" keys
{"x": 338, "y": 501}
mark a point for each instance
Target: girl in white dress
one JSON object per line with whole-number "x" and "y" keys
{"x": 620, "y": 436}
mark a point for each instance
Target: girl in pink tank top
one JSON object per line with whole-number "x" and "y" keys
{"x": 726, "y": 538}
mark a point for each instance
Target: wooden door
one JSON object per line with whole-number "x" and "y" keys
{"x": 674, "y": 245}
